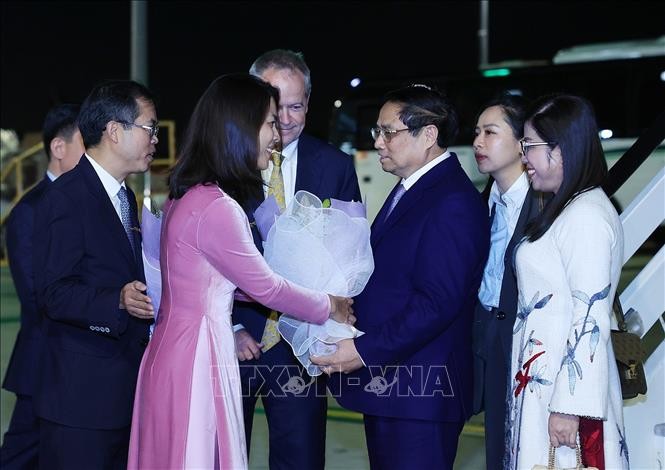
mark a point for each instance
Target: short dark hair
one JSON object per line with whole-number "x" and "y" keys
{"x": 111, "y": 100}
{"x": 60, "y": 121}
{"x": 570, "y": 123}
{"x": 221, "y": 143}
{"x": 423, "y": 105}
{"x": 283, "y": 59}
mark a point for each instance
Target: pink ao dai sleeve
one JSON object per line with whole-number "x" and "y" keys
{"x": 225, "y": 239}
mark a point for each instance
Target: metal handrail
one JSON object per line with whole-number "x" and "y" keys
{"x": 15, "y": 166}
{"x": 18, "y": 160}
{"x": 635, "y": 155}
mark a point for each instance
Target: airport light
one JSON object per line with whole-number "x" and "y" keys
{"x": 502, "y": 72}
{"x": 606, "y": 134}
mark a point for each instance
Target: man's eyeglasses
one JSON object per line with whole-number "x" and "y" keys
{"x": 524, "y": 145}
{"x": 388, "y": 134}
{"x": 151, "y": 130}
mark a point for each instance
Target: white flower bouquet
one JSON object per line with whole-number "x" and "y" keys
{"x": 323, "y": 245}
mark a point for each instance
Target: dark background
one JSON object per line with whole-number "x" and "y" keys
{"x": 55, "y": 52}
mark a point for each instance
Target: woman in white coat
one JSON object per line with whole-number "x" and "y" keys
{"x": 565, "y": 384}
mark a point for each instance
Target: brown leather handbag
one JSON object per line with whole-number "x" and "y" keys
{"x": 629, "y": 354}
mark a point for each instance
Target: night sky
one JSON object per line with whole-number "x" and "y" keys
{"x": 55, "y": 52}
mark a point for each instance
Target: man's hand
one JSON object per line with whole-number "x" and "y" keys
{"x": 346, "y": 359}
{"x": 246, "y": 347}
{"x": 563, "y": 429}
{"x": 134, "y": 300}
{"x": 341, "y": 310}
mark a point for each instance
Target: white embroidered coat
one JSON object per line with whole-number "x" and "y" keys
{"x": 562, "y": 358}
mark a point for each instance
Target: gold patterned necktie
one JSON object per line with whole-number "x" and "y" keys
{"x": 276, "y": 189}
{"x": 276, "y": 183}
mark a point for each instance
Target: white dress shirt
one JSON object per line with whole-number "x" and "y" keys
{"x": 513, "y": 199}
{"x": 503, "y": 228}
{"x": 411, "y": 180}
{"x": 111, "y": 185}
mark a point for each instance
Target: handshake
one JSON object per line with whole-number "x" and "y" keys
{"x": 341, "y": 310}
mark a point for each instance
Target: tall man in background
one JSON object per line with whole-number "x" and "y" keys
{"x": 296, "y": 421}
{"x": 90, "y": 285}
{"x": 63, "y": 147}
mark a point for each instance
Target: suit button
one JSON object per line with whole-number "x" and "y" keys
{"x": 500, "y": 315}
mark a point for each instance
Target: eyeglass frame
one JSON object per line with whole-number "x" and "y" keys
{"x": 151, "y": 130}
{"x": 388, "y": 134}
{"x": 525, "y": 145}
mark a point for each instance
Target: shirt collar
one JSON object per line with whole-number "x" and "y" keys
{"x": 51, "y": 176}
{"x": 514, "y": 197}
{"x": 290, "y": 150}
{"x": 111, "y": 185}
{"x": 411, "y": 180}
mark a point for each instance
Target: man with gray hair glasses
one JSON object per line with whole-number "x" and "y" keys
{"x": 296, "y": 421}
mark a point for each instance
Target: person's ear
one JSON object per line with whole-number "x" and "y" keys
{"x": 431, "y": 134}
{"x": 556, "y": 154}
{"x": 518, "y": 149}
{"x": 57, "y": 148}
{"x": 112, "y": 130}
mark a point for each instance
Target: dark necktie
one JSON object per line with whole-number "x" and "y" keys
{"x": 396, "y": 197}
{"x": 126, "y": 217}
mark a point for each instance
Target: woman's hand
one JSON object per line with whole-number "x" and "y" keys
{"x": 563, "y": 429}
{"x": 341, "y": 310}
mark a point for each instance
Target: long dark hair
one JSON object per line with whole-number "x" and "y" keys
{"x": 221, "y": 143}
{"x": 570, "y": 123}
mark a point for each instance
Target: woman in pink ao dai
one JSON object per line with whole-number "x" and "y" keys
{"x": 188, "y": 407}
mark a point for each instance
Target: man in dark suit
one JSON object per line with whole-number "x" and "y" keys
{"x": 410, "y": 374}
{"x": 63, "y": 147}
{"x": 90, "y": 285}
{"x": 296, "y": 420}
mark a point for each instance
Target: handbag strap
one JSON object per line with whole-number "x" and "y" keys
{"x": 618, "y": 313}
{"x": 578, "y": 457}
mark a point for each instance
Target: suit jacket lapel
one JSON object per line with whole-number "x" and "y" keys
{"x": 530, "y": 209}
{"x": 138, "y": 236}
{"x": 380, "y": 219}
{"x": 107, "y": 211}
{"x": 410, "y": 198}
{"x": 308, "y": 174}
{"x": 249, "y": 212}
